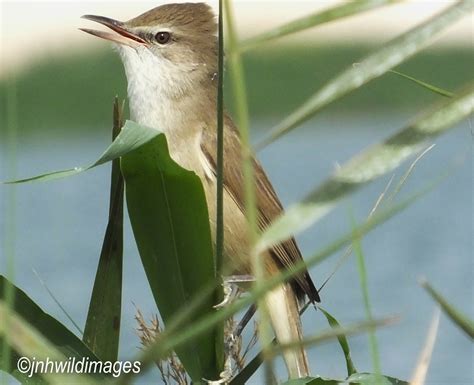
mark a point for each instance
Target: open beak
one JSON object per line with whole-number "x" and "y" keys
{"x": 122, "y": 36}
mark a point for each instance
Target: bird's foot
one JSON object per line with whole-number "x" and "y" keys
{"x": 231, "y": 288}
{"x": 226, "y": 375}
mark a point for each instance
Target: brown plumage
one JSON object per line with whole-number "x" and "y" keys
{"x": 269, "y": 206}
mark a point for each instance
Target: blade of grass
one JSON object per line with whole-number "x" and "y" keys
{"x": 9, "y": 243}
{"x": 423, "y": 364}
{"x": 335, "y": 332}
{"x": 29, "y": 343}
{"x": 374, "y": 350}
{"x": 236, "y": 73}
{"x": 220, "y": 147}
{"x": 131, "y": 137}
{"x": 373, "y": 379}
{"x": 102, "y": 330}
{"x": 351, "y": 369}
{"x": 407, "y": 173}
{"x": 367, "y": 166}
{"x": 376, "y": 64}
{"x": 343, "y": 10}
{"x": 56, "y": 301}
{"x": 169, "y": 341}
{"x": 428, "y": 86}
{"x": 34, "y": 334}
{"x": 461, "y": 320}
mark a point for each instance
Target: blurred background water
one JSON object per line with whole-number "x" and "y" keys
{"x": 63, "y": 120}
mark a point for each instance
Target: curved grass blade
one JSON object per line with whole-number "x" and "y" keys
{"x": 102, "y": 330}
{"x": 351, "y": 369}
{"x": 374, "y": 379}
{"x": 321, "y": 17}
{"x": 367, "y": 166}
{"x": 419, "y": 375}
{"x": 56, "y": 301}
{"x": 362, "y": 271}
{"x": 312, "y": 381}
{"x": 170, "y": 222}
{"x": 237, "y": 78}
{"x": 170, "y": 341}
{"x": 376, "y": 64}
{"x": 336, "y": 332}
{"x": 428, "y": 86}
{"x": 34, "y": 333}
{"x": 460, "y": 319}
{"x": 130, "y": 138}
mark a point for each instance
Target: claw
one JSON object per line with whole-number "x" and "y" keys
{"x": 231, "y": 288}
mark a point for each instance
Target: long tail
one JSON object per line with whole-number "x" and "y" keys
{"x": 284, "y": 314}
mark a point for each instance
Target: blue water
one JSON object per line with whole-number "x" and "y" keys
{"x": 60, "y": 225}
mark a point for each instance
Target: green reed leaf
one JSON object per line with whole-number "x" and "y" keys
{"x": 102, "y": 330}
{"x": 367, "y": 166}
{"x": 460, "y": 319}
{"x": 376, "y": 64}
{"x": 338, "y": 12}
{"x": 170, "y": 222}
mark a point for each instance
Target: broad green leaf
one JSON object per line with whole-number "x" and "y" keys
{"x": 428, "y": 86}
{"x": 130, "y": 138}
{"x": 169, "y": 217}
{"x": 376, "y": 64}
{"x": 374, "y": 379}
{"x": 34, "y": 333}
{"x": 351, "y": 369}
{"x": 343, "y": 10}
{"x": 367, "y": 166}
{"x": 102, "y": 330}
{"x": 460, "y": 319}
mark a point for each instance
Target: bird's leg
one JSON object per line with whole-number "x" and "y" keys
{"x": 226, "y": 374}
{"x": 232, "y": 289}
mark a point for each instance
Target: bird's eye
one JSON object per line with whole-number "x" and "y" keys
{"x": 162, "y": 37}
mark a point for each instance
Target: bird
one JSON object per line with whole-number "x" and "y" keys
{"x": 170, "y": 57}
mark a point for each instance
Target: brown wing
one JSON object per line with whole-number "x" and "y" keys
{"x": 286, "y": 254}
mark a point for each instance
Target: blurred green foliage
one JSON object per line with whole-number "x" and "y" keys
{"x": 75, "y": 92}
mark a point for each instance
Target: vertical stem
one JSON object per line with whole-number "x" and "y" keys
{"x": 242, "y": 122}
{"x": 374, "y": 350}
{"x": 11, "y": 123}
{"x": 220, "y": 149}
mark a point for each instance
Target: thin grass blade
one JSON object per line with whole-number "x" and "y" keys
{"x": 423, "y": 364}
{"x": 374, "y": 379}
{"x": 130, "y": 138}
{"x": 368, "y": 166}
{"x": 102, "y": 330}
{"x": 336, "y": 332}
{"x": 313, "y": 381}
{"x": 170, "y": 341}
{"x": 435, "y": 89}
{"x": 460, "y": 319}
{"x": 36, "y": 335}
{"x": 338, "y": 12}
{"x": 376, "y": 64}
{"x": 362, "y": 271}
{"x": 351, "y": 369}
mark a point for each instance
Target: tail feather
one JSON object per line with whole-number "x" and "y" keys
{"x": 283, "y": 310}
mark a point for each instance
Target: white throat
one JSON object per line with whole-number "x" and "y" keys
{"x": 155, "y": 88}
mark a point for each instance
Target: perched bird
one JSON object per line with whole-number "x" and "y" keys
{"x": 170, "y": 55}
